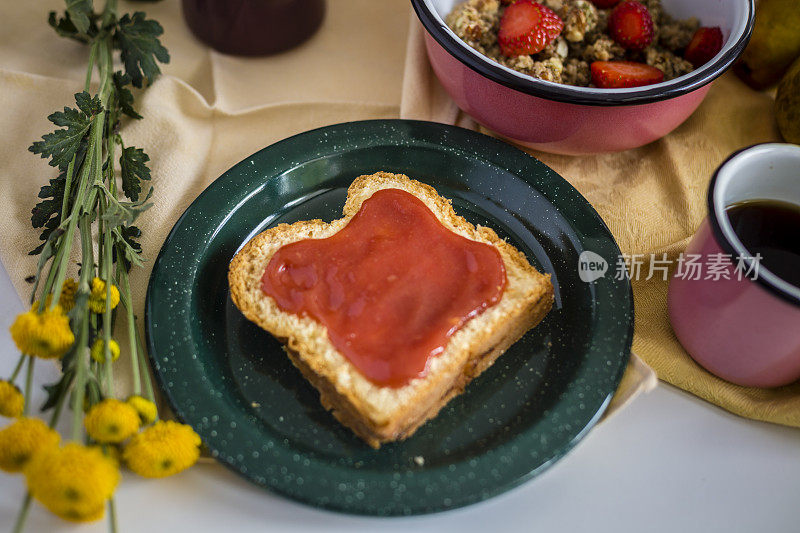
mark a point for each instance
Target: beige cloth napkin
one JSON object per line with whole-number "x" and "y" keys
{"x": 653, "y": 199}
{"x": 204, "y": 115}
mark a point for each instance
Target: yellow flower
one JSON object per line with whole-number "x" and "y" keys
{"x": 23, "y": 439}
{"x": 73, "y": 481}
{"x": 163, "y": 449}
{"x": 12, "y": 402}
{"x": 80, "y": 514}
{"x": 46, "y": 335}
{"x": 97, "y": 298}
{"x": 99, "y": 354}
{"x": 148, "y": 412}
{"x": 111, "y": 421}
{"x": 68, "y": 292}
{"x": 67, "y": 298}
{"x": 112, "y": 452}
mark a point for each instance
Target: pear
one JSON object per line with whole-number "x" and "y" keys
{"x": 787, "y": 104}
{"x": 774, "y": 45}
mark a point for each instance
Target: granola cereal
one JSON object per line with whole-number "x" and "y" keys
{"x": 584, "y": 39}
{"x": 671, "y": 65}
{"x": 580, "y": 18}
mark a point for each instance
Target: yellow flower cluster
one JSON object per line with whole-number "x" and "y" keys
{"x": 46, "y": 334}
{"x": 23, "y": 439}
{"x": 98, "y": 350}
{"x": 12, "y": 402}
{"x": 111, "y": 421}
{"x": 160, "y": 449}
{"x": 163, "y": 449}
{"x": 72, "y": 481}
{"x": 97, "y": 298}
{"x": 67, "y": 297}
{"x": 75, "y": 481}
{"x": 148, "y": 412}
{"x": 68, "y": 292}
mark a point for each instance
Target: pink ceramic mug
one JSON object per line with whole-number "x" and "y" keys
{"x": 741, "y": 323}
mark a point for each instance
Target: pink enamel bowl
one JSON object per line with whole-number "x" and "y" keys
{"x": 564, "y": 119}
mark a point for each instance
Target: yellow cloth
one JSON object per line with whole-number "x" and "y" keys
{"x": 653, "y": 199}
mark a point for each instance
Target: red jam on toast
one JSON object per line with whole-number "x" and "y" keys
{"x": 391, "y": 287}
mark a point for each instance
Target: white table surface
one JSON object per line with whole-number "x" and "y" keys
{"x": 667, "y": 463}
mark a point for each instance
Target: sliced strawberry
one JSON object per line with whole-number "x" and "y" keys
{"x": 631, "y": 25}
{"x": 605, "y": 4}
{"x": 527, "y": 27}
{"x": 706, "y": 43}
{"x": 620, "y": 74}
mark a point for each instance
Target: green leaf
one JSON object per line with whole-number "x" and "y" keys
{"x": 61, "y": 145}
{"x": 51, "y": 204}
{"x": 47, "y": 213}
{"x": 89, "y": 105}
{"x": 124, "y": 95}
{"x": 65, "y": 27}
{"x": 127, "y": 246}
{"x": 79, "y": 12}
{"x": 129, "y": 235}
{"x": 137, "y": 39}
{"x": 122, "y": 213}
{"x": 133, "y": 162}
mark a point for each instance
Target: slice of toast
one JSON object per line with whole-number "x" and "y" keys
{"x": 377, "y": 413}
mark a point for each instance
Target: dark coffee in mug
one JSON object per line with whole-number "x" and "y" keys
{"x": 770, "y": 228}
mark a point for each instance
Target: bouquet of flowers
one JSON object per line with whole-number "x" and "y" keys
{"x": 90, "y": 207}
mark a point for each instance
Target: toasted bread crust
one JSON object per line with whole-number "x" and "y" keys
{"x": 382, "y": 414}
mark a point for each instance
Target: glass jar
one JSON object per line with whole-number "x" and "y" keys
{"x": 253, "y": 27}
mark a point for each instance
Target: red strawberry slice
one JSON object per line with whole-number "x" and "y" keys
{"x": 527, "y": 27}
{"x": 605, "y": 4}
{"x": 621, "y": 74}
{"x": 706, "y": 43}
{"x": 631, "y": 25}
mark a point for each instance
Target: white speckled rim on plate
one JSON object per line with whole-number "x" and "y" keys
{"x": 734, "y": 16}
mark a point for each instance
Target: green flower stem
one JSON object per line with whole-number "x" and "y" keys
{"x": 67, "y": 187}
{"x": 71, "y": 166}
{"x": 19, "y": 525}
{"x": 59, "y": 406}
{"x": 28, "y": 385}
{"x": 125, "y": 296}
{"x": 79, "y": 393}
{"x": 108, "y": 376}
{"x": 90, "y": 68}
{"x": 90, "y": 173}
{"x": 110, "y": 11}
{"x": 112, "y": 515}
{"x": 105, "y": 262}
{"x": 17, "y": 368}
{"x": 148, "y": 384}
{"x": 61, "y": 260}
{"x": 81, "y": 359}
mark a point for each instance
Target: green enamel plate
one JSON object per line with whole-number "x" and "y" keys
{"x": 256, "y": 414}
